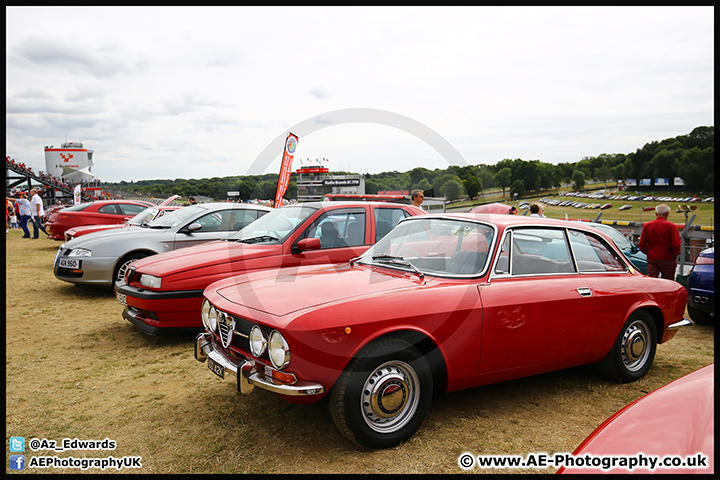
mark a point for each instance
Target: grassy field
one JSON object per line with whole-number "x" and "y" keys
{"x": 76, "y": 369}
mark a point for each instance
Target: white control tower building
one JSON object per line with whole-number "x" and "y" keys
{"x": 71, "y": 162}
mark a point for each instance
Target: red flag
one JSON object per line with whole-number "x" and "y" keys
{"x": 284, "y": 179}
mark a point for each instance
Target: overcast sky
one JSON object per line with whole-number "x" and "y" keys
{"x": 165, "y": 93}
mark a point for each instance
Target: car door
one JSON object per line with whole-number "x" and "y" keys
{"x": 111, "y": 213}
{"x": 342, "y": 233}
{"x": 215, "y": 225}
{"x": 536, "y": 308}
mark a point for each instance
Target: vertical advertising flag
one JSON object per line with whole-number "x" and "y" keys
{"x": 76, "y": 194}
{"x": 284, "y": 179}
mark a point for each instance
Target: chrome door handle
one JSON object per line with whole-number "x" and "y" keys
{"x": 584, "y": 291}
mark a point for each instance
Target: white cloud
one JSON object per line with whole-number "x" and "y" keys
{"x": 194, "y": 92}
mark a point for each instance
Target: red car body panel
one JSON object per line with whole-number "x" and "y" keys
{"x": 62, "y": 219}
{"x": 186, "y": 272}
{"x": 677, "y": 419}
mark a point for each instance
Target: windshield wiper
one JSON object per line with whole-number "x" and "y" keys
{"x": 397, "y": 260}
{"x": 259, "y": 238}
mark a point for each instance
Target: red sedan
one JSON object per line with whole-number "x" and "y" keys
{"x": 443, "y": 302}
{"x": 164, "y": 291}
{"x": 92, "y": 213}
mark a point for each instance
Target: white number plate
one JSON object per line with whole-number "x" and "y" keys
{"x": 68, "y": 263}
{"x": 121, "y": 298}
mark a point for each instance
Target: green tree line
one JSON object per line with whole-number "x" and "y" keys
{"x": 690, "y": 157}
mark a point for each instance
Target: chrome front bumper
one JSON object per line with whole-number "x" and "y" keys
{"x": 248, "y": 377}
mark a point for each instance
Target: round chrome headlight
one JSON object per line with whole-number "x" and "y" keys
{"x": 204, "y": 311}
{"x": 278, "y": 350}
{"x": 212, "y": 318}
{"x": 257, "y": 341}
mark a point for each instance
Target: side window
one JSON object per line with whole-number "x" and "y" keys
{"x": 502, "y": 267}
{"x": 538, "y": 251}
{"x": 338, "y": 229}
{"x": 243, "y": 218}
{"x": 109, "y": 210}
{"x": 592, "y": 255}
{"x": 386, "y": 219}
{"x": 216, "y": 221}
{"x": 131, "y": 209}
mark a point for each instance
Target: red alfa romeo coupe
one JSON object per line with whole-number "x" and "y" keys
{"x": 443, "y": 302}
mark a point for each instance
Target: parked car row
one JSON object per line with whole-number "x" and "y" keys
{"x": 644, "y": 198}
{"x": 376, "y": 306}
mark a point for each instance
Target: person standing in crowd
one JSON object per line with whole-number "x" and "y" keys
{"x": 660, "y": 241}
{"x": 23, "y": 209}
{"x": 512, "y": 211}
{"x": 37, "y": 212}
{"x": 417, "y": 196}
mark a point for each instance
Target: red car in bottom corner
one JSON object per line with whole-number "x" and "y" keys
{"x": 668, "y": 431}
{"x": 164, "y": 292}
{"x": 443, "y": 302}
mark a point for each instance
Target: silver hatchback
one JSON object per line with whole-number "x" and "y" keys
{"x": 101, "y": 258}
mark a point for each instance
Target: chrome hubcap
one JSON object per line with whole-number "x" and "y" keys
{"x": 390, "y": 396}
{"x": 635, "y": 345}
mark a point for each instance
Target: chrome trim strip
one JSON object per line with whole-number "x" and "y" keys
{"x": 682, "y": 323}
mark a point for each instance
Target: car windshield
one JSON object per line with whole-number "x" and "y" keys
{"x": 177, "y": 217}
{"x": 144, "y": 217}
{"x": 435, "y": 246}
{"x": 275, "y": 226}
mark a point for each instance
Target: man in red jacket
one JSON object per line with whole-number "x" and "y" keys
{"x": 660, "y": 241}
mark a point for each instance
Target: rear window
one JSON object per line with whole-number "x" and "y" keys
{"x": 76, "y": 208}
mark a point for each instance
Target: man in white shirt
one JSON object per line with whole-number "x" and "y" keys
{"x": 37, "y": 212}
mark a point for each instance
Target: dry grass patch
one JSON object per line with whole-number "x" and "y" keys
{"x": 76, "y": 369}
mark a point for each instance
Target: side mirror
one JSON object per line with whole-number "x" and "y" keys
{"x": 308, "y": 244}
{"x": 193, "y": 227}
{"x": 634, "y": 248}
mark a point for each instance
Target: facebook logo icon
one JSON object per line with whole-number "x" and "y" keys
{"x": 17, "y": 462}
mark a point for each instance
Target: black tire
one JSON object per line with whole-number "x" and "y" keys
{"x": 383, "y": 396}
{"x": 123, "y": 264}
{"x": 634, "y": 350}
{"x": 700, "y": 317}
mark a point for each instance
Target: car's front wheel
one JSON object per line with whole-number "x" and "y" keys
{"x": 634, "y": 350}
{"x": 123, "y": 264}
{"x": 384, "y": 394}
